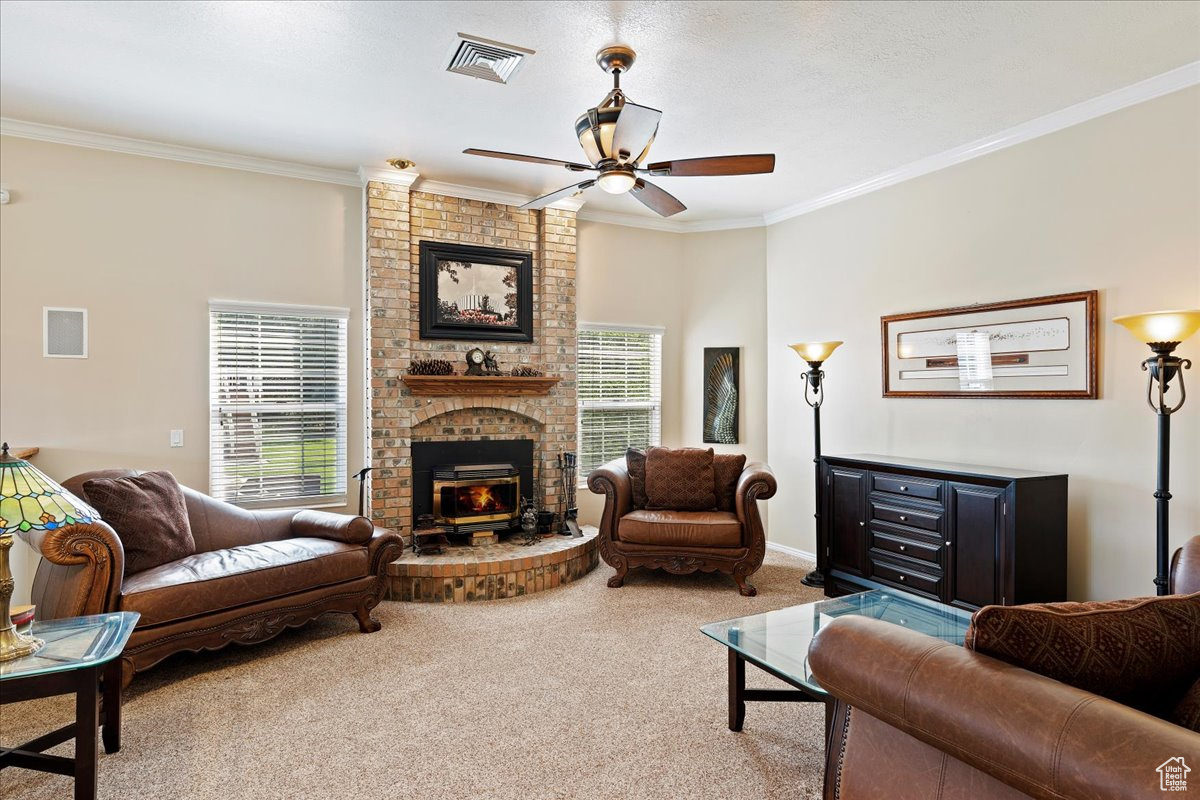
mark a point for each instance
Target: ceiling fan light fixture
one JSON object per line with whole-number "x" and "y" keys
{"x": 616, "y": 136}
{"x": 597, "y": 144}
{"x": 617, "y": 181}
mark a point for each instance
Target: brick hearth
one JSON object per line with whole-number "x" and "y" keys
{"x": 398, "y": 219}
{"x": 492, "y": 572}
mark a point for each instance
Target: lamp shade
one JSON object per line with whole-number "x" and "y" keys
{"x": 815, "y": 351}
{"x": 1161, "y": 326}
{"x": 30, "y": 501}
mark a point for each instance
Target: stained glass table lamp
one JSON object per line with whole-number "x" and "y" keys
{"x": 29, "y": 502}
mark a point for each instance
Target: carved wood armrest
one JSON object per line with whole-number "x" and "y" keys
{"x": 96, "y": 549}
{"x": 757, "y": 482}
{"x": 612, "y": 481}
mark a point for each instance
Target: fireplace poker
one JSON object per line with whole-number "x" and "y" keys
{"x": 570, "y": 525}
{"x": 361, "y": 475}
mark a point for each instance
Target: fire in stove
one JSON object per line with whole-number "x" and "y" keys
{"x": 480, "y": 500}
{"x": 476, "y": 496}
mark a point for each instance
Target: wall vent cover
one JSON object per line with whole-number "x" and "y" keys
{"x": 64, "y": 332}
{"x": 483, "y": 58}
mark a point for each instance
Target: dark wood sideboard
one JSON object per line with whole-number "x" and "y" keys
{"x": 961, "y": 534}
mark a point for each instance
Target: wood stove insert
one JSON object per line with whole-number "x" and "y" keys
{"x": 504, "y": 467}
{"x": 476, "y": 497}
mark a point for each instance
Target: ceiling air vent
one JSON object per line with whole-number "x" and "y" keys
{"x": 483, "y": 58}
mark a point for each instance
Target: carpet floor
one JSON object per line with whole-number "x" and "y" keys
{"x": 579, "y": 692}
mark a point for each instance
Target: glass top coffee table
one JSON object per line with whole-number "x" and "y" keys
{"x": 777, "y": 641}
{"x": 80, "y": 656}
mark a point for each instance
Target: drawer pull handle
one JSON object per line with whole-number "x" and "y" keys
{"x": 904, "y": 488}
{"x": 901, "y": 548}
{"x": 903, "y": 518}
{"x": 861, "y": 524}
{"x": 901, "y": 577}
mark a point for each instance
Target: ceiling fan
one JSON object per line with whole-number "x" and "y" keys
{"x": 616, "y": 137}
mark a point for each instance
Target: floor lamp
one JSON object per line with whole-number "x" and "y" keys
{"x": 815, "y": 354}
{"x": 1163, "y": 331}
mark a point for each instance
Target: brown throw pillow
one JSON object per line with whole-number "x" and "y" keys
{"x": 1187, "y": 712}
{"x": 680, "y": 480}
{"x": 1143, "y": 652}
{"x": 635, "y": 465}
{"x": 727, "y": 469}
{"x": 148, "y": 513}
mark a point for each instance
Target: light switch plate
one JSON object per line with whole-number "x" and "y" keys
{"x": 177, "y": 438}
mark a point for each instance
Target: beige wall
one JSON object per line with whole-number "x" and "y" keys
{"x": 144, "y": 244}
{"x": 706, "y": 290}
{"x": 1112, "y": 204}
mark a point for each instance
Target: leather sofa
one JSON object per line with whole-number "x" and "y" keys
{"x": 917, "y": 718}
{"x": 681, "y": 542}
{"x": 253, "y": 574}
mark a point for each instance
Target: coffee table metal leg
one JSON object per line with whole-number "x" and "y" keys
{"x": 87, "y": 721}
{"x": 111, "y": 732}
{"x": 737, "y": 690}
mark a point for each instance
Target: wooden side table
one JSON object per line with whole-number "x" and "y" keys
{"x": 80, "y": 656}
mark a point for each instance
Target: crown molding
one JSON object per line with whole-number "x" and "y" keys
{"x": 629, "y": 220}
{"x": 497, "y": 196}
{"x": 732, "y": 223}
{"x": 473, "y": 193}
{"x": 573, "y": 203}
{"x": 386, "y": 175}
{"x": 1159, "y": 85}
{"x": 669, "y": 225}
{"x": 172, "y": 152}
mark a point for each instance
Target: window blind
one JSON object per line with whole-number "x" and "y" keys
{"x": 619, "y": 384}
{"x": 277, "y": 383}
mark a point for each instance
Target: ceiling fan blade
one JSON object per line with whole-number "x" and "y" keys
{"x": 566, "y": 191}
{"x": 571, "y": 165}
{"x": 656, "y": 199}
{"x": 715, "y": 165}
{"x": 636, "y": 126}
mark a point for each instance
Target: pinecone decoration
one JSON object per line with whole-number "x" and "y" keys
{"x": 430, "y": 366}
{"x": 522, "y": 371}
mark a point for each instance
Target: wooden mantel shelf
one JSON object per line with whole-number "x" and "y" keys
{"x": 504, "y": 385}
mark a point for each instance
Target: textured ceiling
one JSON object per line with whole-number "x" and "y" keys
{"x": 841, "y": 91}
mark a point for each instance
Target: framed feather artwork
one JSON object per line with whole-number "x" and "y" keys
{"x": 721, "y": 394}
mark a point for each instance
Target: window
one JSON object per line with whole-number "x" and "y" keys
{"x": 277, "y": 383}
{"x": 620, "y": 392}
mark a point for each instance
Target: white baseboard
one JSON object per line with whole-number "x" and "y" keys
{"x": 792, "y": 551}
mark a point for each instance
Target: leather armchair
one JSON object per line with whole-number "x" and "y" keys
{"x": 916, "y": 717}
{"x": 683, "y": 541}
{"x": 254, "y": 574}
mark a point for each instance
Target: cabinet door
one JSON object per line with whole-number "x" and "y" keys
{"x": 847, "y": 525}
{"x": 976, "y": 525}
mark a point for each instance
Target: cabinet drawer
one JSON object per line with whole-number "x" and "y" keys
{"x": 902, "y": 545}
{"x": 907, "y": 487}
{"x": 904, "y": 577}
{"x": 912, "y": 517}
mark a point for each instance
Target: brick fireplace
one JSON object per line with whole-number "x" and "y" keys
{"x": 398, "y": 219}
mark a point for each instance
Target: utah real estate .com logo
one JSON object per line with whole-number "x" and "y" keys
{"x": 1172, "y": 775}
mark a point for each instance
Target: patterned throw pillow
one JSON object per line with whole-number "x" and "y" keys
{"x": 1143, "y": 652}
{"x": 680, "y": 480}
{"x": 727, "y": 469}
{"x": 149, "y": 515}
{"x": 635, "y": 465}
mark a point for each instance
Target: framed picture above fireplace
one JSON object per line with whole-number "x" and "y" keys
{"x": 475, "y": 293}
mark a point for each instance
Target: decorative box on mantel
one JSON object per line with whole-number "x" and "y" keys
{"x": 499, "y": 385}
